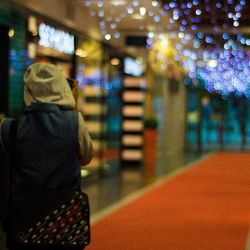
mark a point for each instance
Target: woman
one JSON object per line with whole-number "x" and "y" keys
{"x": 52, "y": 141}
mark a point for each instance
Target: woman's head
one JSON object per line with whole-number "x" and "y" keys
{"x": 45, "y": 83}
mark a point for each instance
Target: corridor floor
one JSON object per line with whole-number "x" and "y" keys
{"x": 107, "y": 191}
{"x": 203, "y": 207}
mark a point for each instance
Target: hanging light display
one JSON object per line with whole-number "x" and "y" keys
{"x": 206, "y": 36}
{"x": 112, "y": 13}
{"x": 219, "y": 55}
{"x": 164, "y": 59}
{"x": 211, "y": 42}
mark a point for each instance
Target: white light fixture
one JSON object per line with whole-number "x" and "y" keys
{"x": 154, "y": 3}
{"x": 137, "y": 16}
{"x": 151, "y": 34}
{"x": 143, "y": 11}
{"x": 107, "y": 36}
{"x": 130, "y": 10}
{"x": 118, "y": 2}
{"x": 212, "y": 63}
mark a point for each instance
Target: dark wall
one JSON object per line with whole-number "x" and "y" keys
{"x": 4, "y": 68}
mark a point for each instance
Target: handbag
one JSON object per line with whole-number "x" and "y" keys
{"x": 51, "y": 219}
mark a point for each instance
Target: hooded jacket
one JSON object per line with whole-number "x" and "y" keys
{"x": 52, "y": 140}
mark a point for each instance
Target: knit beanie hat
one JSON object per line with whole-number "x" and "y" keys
{"x": 45, "y": 83}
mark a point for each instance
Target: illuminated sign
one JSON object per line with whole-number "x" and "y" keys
{"x": 56, "y": 39}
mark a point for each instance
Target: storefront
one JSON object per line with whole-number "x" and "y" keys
{"x": 215, "y": 122}
{"x": 133, "y": 98}
{"x": 4, "y": 65}
{"x": 99, "y": 100}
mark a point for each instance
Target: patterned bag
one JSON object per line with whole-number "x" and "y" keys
{"x": 41, "y": 221}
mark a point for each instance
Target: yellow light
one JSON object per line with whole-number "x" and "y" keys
{"x": 118, "y": 2}
{"x": 11, "y": 33}
{"x": 164, "y": 42}
{"x": 139, "y": 60}
{"x": 115, "y": 61}
{"x": 137, "y": 16}
{"x": 151, "y": 34}
{"x": 84, "y": 172}
{"x": 81, "y": 53}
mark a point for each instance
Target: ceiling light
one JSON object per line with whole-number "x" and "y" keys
{"x": 115, "y": 61}
{"x": 130, "y": 10}
{"x": 164, "y": 42}
{"x": 118, "y": 2}
{"x": 157, "y": 18}
{"x": 117, "y": 35}
{"x": 113, "y": 26}
{"x": 135, "y": 2}
{"x": 81, "y": 53}
{"x": 154, "y": 3}
{"x": 88, "y": 3}
{"x": 137, "y": 16}
{"x": 11, "y": 33}
{"x": 107, "y": 36}
{"x": 151, "y": 34}
{"x": 143, "y": 11}
{"x": 100, "y": 4}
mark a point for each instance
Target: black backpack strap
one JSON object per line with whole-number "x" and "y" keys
{"x": 12, "y": 138}
{"x": 9, "y": 173}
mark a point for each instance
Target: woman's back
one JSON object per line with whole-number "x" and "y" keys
{"x": 47, "y": 148}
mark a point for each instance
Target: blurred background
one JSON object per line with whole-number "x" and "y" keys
{"x": 171, "y": 74}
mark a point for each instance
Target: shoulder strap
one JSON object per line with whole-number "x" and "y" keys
{"x": 12, "y": 153}
{"x": 8, "y": 173}
{"x": 12, "y": 139}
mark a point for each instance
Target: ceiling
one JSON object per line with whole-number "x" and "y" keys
{"x": 215, "y": 16}
{"x": 210, "y": 39}
{"x": 213, "y": 21}
{"x": 113, "y": 20}
{"x": 120, "y": 18}
{"x": 212, "y": 17}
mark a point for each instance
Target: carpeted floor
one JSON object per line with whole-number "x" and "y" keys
{"x": 206, "y": 207}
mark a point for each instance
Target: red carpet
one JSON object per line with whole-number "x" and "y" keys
{"x": 205, "y": 207}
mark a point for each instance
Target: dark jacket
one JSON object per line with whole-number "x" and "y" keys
{"x": 47, "y": 148}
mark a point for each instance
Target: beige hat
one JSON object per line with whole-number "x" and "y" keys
{"x": 45, "y": 83}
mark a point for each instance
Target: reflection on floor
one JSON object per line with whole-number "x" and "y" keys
{"x": 104, "y": 192}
